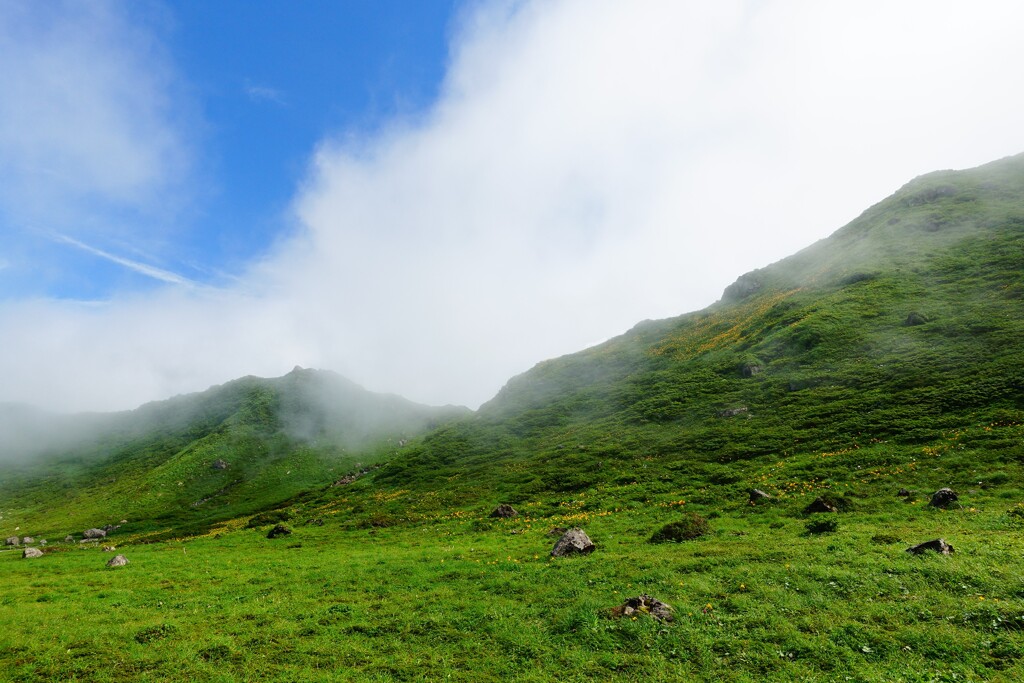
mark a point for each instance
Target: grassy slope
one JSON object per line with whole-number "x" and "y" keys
{"x": 408, "y": 579}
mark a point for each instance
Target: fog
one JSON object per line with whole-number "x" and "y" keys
{"x": 588, "y": 164}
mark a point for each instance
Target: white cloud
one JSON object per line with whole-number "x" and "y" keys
{"x": 86, "y": 108}
{"x": 590, "y": 163}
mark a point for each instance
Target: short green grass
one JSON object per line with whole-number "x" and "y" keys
{"x": 461, "y": 596}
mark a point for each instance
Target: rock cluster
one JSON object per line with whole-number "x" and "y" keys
{"x": 644, "y": 604}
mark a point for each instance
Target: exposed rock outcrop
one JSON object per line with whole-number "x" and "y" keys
{"x": 943, "y": 498}
{"x": 117, "y": 561}
{"x": 504, "y": 512}
{"x": 279, "y": 530}
{"x": 573, "y": 542}
{"x": 29, "y": 553}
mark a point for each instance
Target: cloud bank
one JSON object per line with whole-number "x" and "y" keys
{"x": 588, "y": 164}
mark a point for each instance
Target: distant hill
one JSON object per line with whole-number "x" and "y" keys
{"x": 183, "y": 462}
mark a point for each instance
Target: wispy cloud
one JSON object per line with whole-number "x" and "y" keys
{"x": 137, "y": 266}
{"x": 263, "y": 93}
{"x": 91, "y": 121}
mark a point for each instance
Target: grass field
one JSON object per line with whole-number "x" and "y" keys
{"x": 455, "y": 595}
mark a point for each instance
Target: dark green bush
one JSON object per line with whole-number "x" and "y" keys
{"x": 268, "y": 518}
{"x": 691, "y": 526}
{"x": 823, "y": 526}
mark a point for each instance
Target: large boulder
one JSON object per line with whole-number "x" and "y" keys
{"x": 118, "y": 561}
{"x": 31, "y": 552}
{"x": 94, "y": 533}
{"x": 11, "y": 540}
{"x": 504, "y": 512}
{"x": 939, "y": 545}
{"x": 573, "y": 542}
{"x": 943, "y": 498}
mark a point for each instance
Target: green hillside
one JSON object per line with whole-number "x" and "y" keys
{"x": 175, "y": 466}
{"x": 870, "y": 370}
{"x": 896, "y": 332}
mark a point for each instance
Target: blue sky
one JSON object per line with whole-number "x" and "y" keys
{"x": 430, "y": 197}
{"x": 255, "y": 86}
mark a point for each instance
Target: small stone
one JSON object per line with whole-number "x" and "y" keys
{"x": 939, "y": 545}
{"x": 943, "y": 498}
{"x": 29, "y": 553}
{"x": 94, "y": 533}
{"x": 69, "y": 539}
{"x": 903, "y": 493}
{"x": 117, "y": 561}
{"x": 504, "y": 512}
{"x": 219, "y": 465}
{"x": 758, "y": 496}
{"x": 11, "y": 540}
{"x": 573, "y": 542}
{"x": 28, "y": 540}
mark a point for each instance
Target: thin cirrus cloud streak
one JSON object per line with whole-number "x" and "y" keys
{"x": 153, "y": 272}
{"x": 588, "y": 164}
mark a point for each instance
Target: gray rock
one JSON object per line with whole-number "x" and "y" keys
{"x": 573, "y": 542}
{"x": 939, "y": 545}
{"x": 69, "y": 539}
{"x": 117, "y": 561}
{"x": 504, "y": 511}
{"x": 644, "y": 604}
{"x": 219, "y": 465}
{"x": 28, "y": 540}
{"x": 758, "y": 496}
{"x": 94, "y": 533}
{"x": 903, "y": 493}
{"x": 28, "y": 553}
{"x": 42, "y": 541}
{"x": 11, "y": 540}
{"x": 943, "y": 498}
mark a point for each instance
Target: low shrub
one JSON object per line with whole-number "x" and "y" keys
{"x": 691, "y": 526}
{"x": 822, "y": 526}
